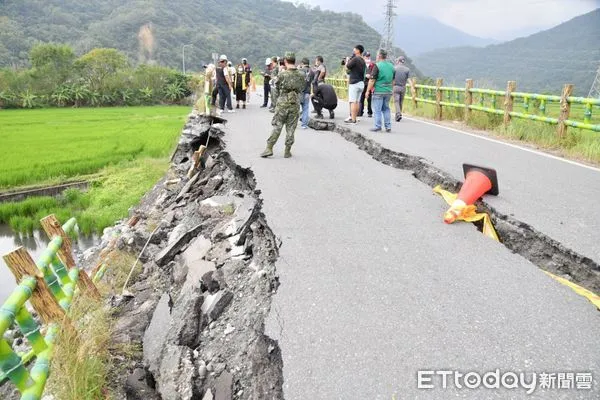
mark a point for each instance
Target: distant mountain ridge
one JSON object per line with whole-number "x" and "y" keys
{"x": 417, "y": 35}
{"x": 542, "y": 62}
{"x": 154, "y": 31}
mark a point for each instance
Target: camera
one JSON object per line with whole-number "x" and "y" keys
{"x": 345, "y": 60}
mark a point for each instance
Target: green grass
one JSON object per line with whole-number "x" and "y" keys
{"x": 81, "y": 363}
{"x": 54, "y": 144}
{"x": 107, "y": 201}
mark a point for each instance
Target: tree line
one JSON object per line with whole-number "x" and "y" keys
{"x": 101, "y": 77}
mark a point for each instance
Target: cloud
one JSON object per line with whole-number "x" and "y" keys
{"x": 504, "y": 19}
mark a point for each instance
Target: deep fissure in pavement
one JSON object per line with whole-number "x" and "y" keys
{"x": 200, "y": 305}
{"x": 519, "y": 237}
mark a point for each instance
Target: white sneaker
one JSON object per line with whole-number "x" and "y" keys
{"x": 349, "y": 119}
{"x": 230, "y": 111}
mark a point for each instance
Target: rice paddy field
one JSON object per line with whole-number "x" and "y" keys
{"x": 44, "y": 145}
{"x": 127, "y": 148}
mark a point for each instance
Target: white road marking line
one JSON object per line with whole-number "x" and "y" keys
{"x": 539, "y": 153}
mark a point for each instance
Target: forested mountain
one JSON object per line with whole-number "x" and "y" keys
{"x": 417, "y": 35}
{"x": 154, "y": 31}
{"x": 543, "y": 62}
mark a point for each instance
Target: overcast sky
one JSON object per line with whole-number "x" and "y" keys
{"x": 499, "y": 19}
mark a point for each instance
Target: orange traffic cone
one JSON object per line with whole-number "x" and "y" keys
{"x": 478, "y": 181}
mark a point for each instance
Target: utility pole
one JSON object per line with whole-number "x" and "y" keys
{"x": 595, "y": 89}
{"x": 183, "y": 55}
{"x": 387, "y": 38}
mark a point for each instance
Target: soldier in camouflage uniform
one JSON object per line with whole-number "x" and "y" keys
{"x": 291, "y": 83}
{"x": 274, "y": 75}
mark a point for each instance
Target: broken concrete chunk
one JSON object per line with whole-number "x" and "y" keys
{"x": 212, "y": 285}
{"x": 215, "y": 304}
{"x": 214, "y": 183}
{"x": 155, "y": 337}
{"x": 208, "y": 395}
{"x": 245, "y": 212}
{"x": 186, "y": 188}
{"x": 187, "y": 319}
{"x": 197, "y": 250}
{"x": 218, "y": 201}
{"x": 175, "y": 380}
{"x": 168, "y": 253}
{"x": 176, "y": 233}
{"x": 224, "y": 386}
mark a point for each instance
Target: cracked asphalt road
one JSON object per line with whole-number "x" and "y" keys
{"x": 374, "y": 287}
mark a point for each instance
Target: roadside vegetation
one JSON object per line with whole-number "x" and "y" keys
{"x": 84, "y": 360}
{"x": 101, "y": 77}
{"x": 578, "y": 144}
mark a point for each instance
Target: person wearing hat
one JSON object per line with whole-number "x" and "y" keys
{"x": 224, "y": 84}
{"x": 290, "y": 84}
{"x": 267, "y": 81}
{"x": 401, "y": 75}
{"x": 309, "y": 76}
{"x": 366, "y": 96}
{"x": 381, "y": 83}
{"x": 274, "y": 73}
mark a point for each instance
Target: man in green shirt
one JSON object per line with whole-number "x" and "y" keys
{"x": 382, "y": 78}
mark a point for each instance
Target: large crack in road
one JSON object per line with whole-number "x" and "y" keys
{"x": 521, "y": 238}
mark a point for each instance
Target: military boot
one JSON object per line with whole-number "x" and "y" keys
{"x": 268, "y": 151}
{"x": 288, "y": 152}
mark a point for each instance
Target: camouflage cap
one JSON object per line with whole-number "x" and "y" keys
{"x": 289, "y": 54}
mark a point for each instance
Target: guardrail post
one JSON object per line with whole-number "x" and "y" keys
{"x": 53, "y": 228}
{"x": 468, "y": 99}
{"x": 508, "y": 101}
{"x": 43, "y": 301}
{"x": 565, "y": 110}
{"x": 438, "y": 98}
{"x": 413, "y": 90}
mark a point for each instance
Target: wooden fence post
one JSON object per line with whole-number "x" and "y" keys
{"x": 565, "y": 110}
{"x": 468, "y": 99}
{"x": 413, "y": 90}
{"x": 43, "y": 301}
{"x": 508, "y": 101}
{"x": 438, "y": 98}
{"x": 53, "y": 228}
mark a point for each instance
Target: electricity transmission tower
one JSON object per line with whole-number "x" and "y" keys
{"x": 387, "y": 38}
{"x": 595, "y": 89}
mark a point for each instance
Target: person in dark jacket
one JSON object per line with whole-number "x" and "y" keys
{"x": 365, "y": 95}
{"x": 267, "y": 81}
{"x": 356, "y": 69}
{"x": 324, "y": 97}
{"x": 241, "y": 82}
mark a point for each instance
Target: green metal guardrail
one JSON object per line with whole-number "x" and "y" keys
{"x": 50, "y": 286}
{"x": 533, "y": 106}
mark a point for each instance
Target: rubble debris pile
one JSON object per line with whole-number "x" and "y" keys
{"x": 200, "y": 304}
